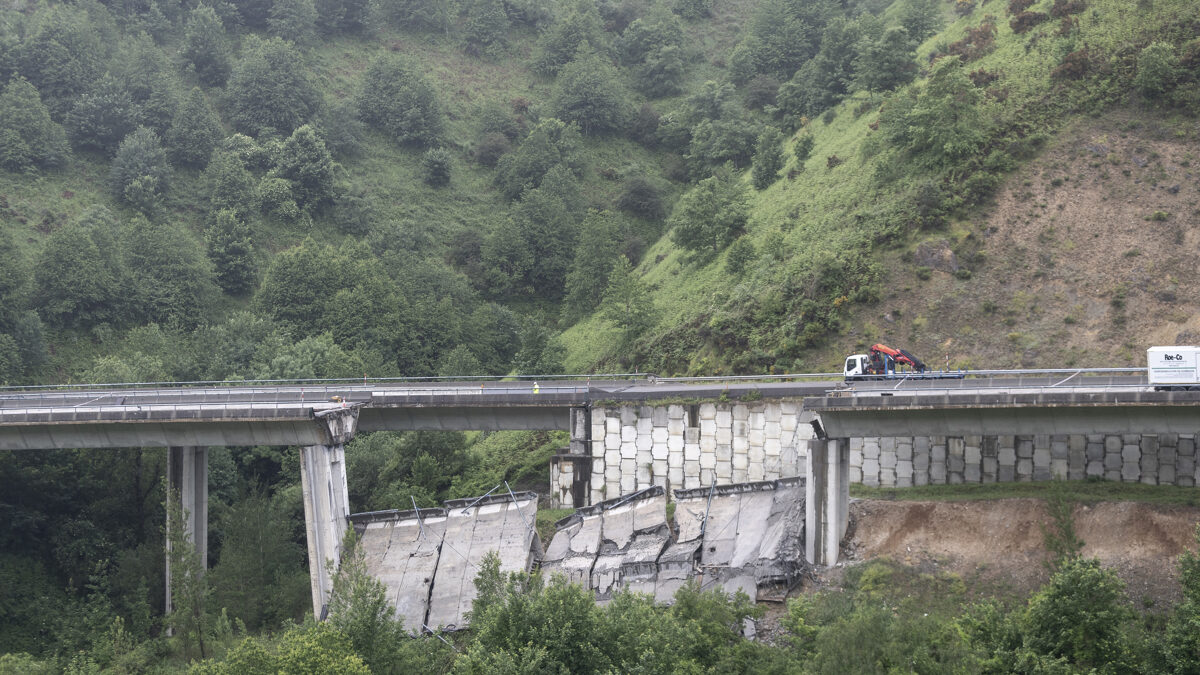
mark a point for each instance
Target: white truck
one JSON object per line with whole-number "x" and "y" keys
{"x": 1173, "y": 368}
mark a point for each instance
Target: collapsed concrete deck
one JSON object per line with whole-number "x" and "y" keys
{"x": 742, "y": 536}
{"x": 427, "y": 559}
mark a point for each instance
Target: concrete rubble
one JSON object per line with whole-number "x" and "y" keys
{"x": 747, "y": 536}
{"x": 427, "y": 559}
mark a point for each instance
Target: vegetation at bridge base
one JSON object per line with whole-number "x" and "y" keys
{"x": 1089, "y": 491}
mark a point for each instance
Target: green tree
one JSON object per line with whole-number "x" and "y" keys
{"x": 782, "y": 35}
{"x": 11, "y": 365}
{"x": 81, "y": 276}
{"x": 231, "y": 250}
{"x": 648, "y": 34}
{"x": 62, "y": 57}
{"x": 551, "y": 143}
{"x": 1082, "y": 615}
{"x": 1181, "y": 645}
{"x": 206, "y": 46}
{"x": 598, "y": 250}
{"x": 318, "y": 649}
{"x": 151, "y": 80}
{"x": 231, "y": 186}
{"x": 397, "y": 98}
{"x": 627, "y": 302}
{"x": 173, "y": 279}
{"x": 827, "y": 78}
{"x": 305, "y": 162}
{"x": 195, "y": 131}
{"x": 641, "y": 197}
{"x": 768, "y": 158}
{"x": 921, "y": 18}
{"x": 945, "y": 121}
{"x": 460, "y": 362}
{"x": 1157, "y": 69}
{"x": 260, "y": 576}
{"x": 558, "y": 46}
{"x": 190, "y": 593}
{"x": 348, "y": 16}
{"x": 294, "y": 20}
{"x": 887, "y": 62}
{"x": 316, "y": 357}
{"x": 589, "y": 92}
{"x": 100, "y": 119}
{"x": 541, "y": 350}
{"x": 140, "y": 172}
{"x": 436, "y": 166}
{"x": 269, "y": 91}
{"x": 531, "y": 252}
{"x": 712, "y": 214}
{"x": 486, "y": 28}
{"x": 29, "y": 139}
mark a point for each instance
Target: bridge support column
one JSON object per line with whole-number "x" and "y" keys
{"x": 827, "y": 499}
{"x": 581, "y": 448}
{"x": 326, "y": 502}
{"x": 187, "y": 480}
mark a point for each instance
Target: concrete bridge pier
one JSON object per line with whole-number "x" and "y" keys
{"x": 326, "y": 501}
{"x": 187, "y": 480}
{"x": 827, "y": 499}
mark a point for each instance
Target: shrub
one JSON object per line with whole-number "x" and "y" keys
{"x": 589, "y": 92}
{"x": 803, "y": 147}
{"x": 396, "y": 97}
{"x": 641, "y": 197}
{"x": 768, "y": 159}
{"x": 1026, "y": 21}
{"x": 1015, "y": 7}
{"x": 761, "y": 91}
{"x": 1080, "y": 615}
{"x": 977, "y": 42}
{"x": 1067, "y": 7}
{"x": 741, "y": 253}
{"x": 1157, "y": 69}
{"x": 1074, "y": 66}
{"x": 712, "y": 214}
{"x": 435, "y": 167}
{"x": 491, "y": 148}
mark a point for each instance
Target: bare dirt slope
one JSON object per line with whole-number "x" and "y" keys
{"x": 998, "y": 546}
{"x": 1087, "y": 256}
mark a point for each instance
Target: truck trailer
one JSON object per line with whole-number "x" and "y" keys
{"x": 1173, "y": 368}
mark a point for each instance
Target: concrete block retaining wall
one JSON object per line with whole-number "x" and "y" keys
{"x": 681, "y": 446}
{"x": 686, "y": 446}
{"x": 1155, "y": 459}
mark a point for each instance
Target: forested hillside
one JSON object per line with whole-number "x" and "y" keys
{"x": 263, "y": 189}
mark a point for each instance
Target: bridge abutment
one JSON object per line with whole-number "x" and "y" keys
{"x": 187, "y": 481}
{"x": 827, "y": 499}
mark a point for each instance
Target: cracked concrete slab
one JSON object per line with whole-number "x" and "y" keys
{"x": 428, "y": 559}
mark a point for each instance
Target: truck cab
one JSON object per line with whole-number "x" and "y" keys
{"x": 856, "y": 366}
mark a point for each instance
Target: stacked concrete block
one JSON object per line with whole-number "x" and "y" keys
{"x": 1006, "y": 459}
{"x": 856, "y": 460}
{"x": 870, "y": 467}
{"x": 955, "y": 460}
{"x": 937, "y": 461}
{"x": 1186, "y": 472}
{"x": 1147, "y": 460}
{"x": 1094, "y": 454}
{"x": 989, "y": 454}
{"x": 1041, "y": 457}
{"x": 1076, "y": 456}
{"x": 1060, "y": 456}
{"x": 921, "y": 456}
{"x": 1112, "y": 457}
{"x": 1024, "y": 458}
{"x": 887, "y": 462}
{"x": 1131, "y": 455}
{"x": 972, "y": 459}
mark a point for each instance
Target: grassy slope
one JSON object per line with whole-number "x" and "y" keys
{"x": 813, "y": 213}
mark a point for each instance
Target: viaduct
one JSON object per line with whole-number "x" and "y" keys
{"x": 629, "y": 435}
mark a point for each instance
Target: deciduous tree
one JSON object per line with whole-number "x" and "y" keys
{"x": 195, "y": 131}
{"x": 29, "y": 139}
{"x": 206, "y": 46}
{"x": 396, "y": 97}
{"x": 269, "y": 90}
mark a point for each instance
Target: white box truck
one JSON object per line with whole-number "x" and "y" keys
{"x": 1173, "y": 367}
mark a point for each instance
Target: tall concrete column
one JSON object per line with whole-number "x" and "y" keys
{"x": 827, "y": 499}
{"x": 187, "y": 480}
{"x": 326, "y": 501}
{"x": 581, "y": 453}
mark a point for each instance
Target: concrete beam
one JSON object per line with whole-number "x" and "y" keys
{"x": 998, "y": 414}
{"x": 187, "y": 479}
{"x": 59, "y": 435}
{"x": 466, "y": 418}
